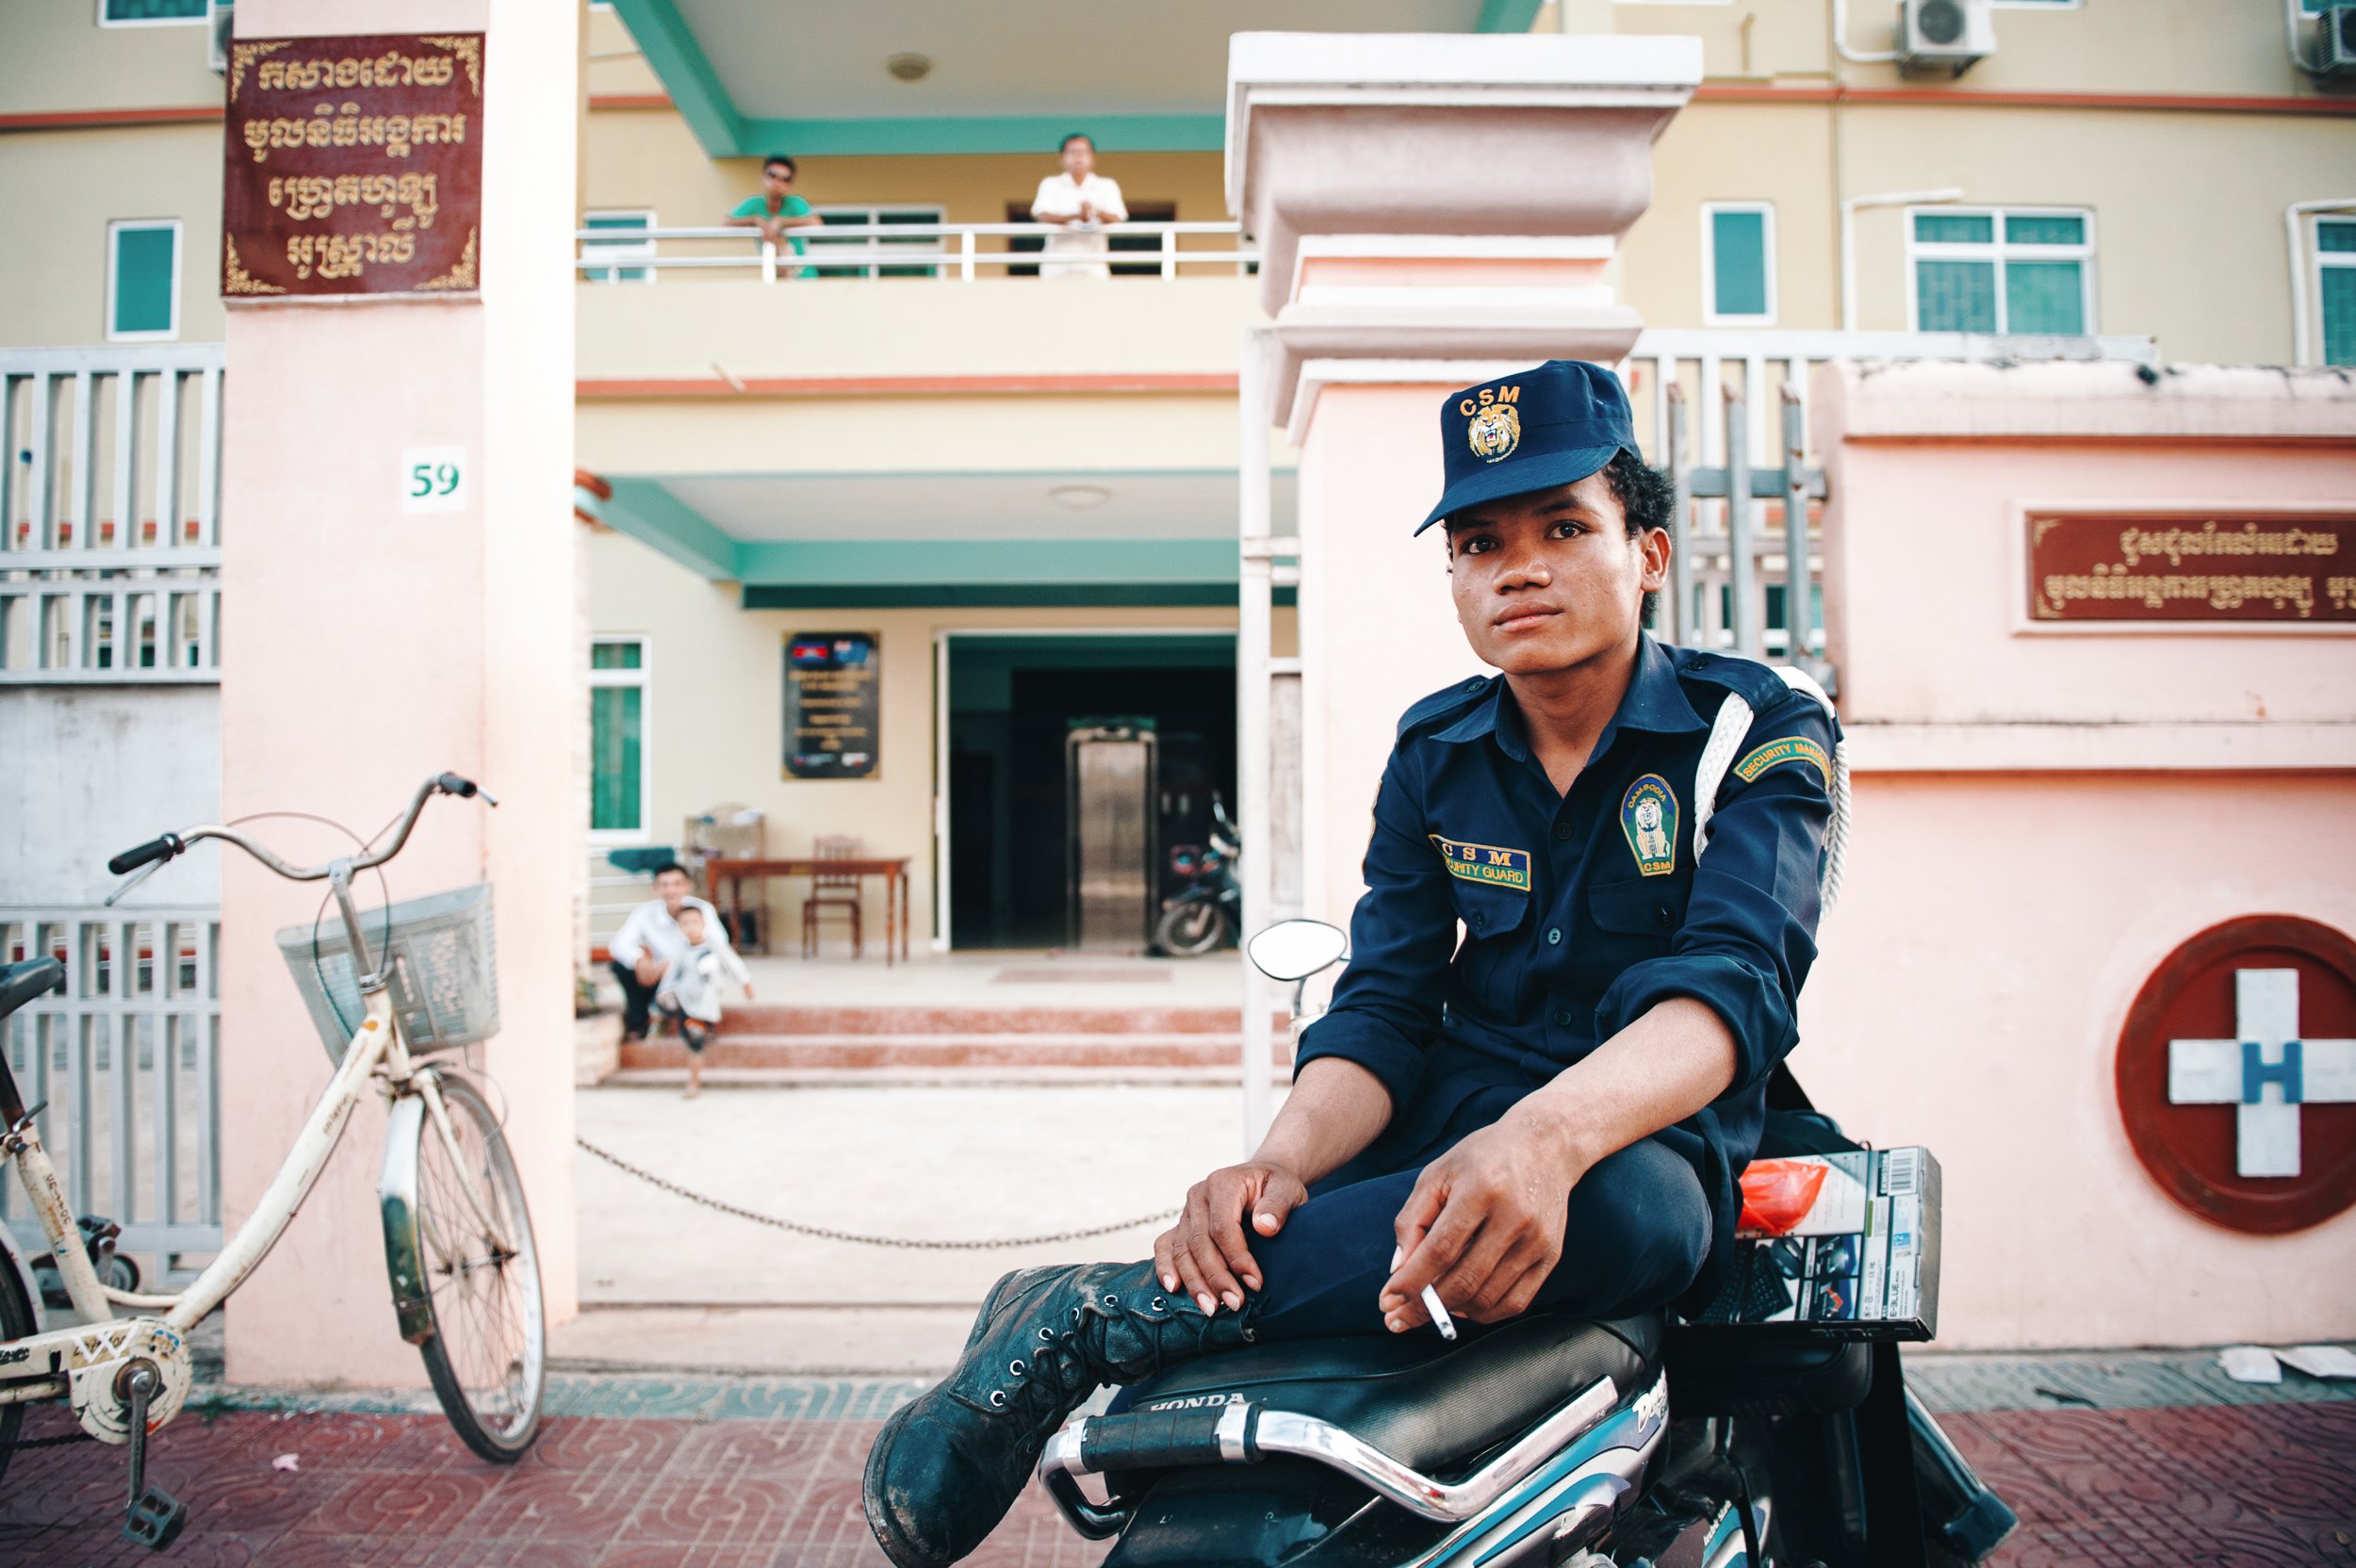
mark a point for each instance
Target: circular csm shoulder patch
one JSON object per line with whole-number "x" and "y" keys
{"x": 2236, "y": 1074}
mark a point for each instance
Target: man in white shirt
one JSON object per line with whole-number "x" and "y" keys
{"x": 650, "y": 942}
{"x": 1079, "y": 201}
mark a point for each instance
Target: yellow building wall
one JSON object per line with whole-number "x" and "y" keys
{"x": 55, "y": 58}
{"x": 716, "y": 710}
{"x": 61, "y": 189}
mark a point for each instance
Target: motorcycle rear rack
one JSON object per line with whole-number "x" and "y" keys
{"x": 1236, "y": 1432}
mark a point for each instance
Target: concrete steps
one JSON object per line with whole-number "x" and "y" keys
{"x": 774, "y": 1019}
{"x": 1098, "y": 1052}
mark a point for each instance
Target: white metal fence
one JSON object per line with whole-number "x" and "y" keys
{"x": 126, "y": 1062}
{"x": 110, "y": 515}
{"x": 1751, "y": 370}
{"x": 958, "y": 253}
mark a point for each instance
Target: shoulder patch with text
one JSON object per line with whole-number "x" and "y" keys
{"x": 1484, "y": 863}
{"x": 1648, "y": 815}
{"x": 1792, "y": 748}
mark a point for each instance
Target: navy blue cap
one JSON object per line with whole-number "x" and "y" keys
{"x": 1553, "y": 424}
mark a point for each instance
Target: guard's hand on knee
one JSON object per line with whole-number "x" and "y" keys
{"x": 1206, "y": 1253}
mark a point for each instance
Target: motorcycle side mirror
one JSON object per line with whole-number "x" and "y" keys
{"x": 1296, "y": 949}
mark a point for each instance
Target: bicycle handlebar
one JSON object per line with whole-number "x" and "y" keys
{"x": 171, "y": 844}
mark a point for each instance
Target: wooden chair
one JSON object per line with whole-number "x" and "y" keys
{"x": 838, "y": 892}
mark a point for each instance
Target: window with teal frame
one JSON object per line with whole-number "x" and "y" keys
{"x": 617, "y": 740}
{"x": 2335, "y": 288}
{"x": 1739, "y": 264}
{"x": 142, "y": 280}
{"x": 626, "y": 227}
{"x": 142, "y": 13}
{"x": 2001, "y": 271}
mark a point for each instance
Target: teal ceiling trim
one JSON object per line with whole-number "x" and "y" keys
{"x": 836, "y": 565}
{"x": 670, "y": 47}
{"x": 649, "y": 513}
{"x": 1506, "y": 16}
{"x": 991, "y": 595}
{"x": 994, "y": 133}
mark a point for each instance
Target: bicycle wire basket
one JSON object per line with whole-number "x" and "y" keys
{"x": 437, "y": 955}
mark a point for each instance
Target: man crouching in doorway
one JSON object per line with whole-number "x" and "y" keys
{"x": 650, "y": 942}
{"x": 1551, "y": 1114}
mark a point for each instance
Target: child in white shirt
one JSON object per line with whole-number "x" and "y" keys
{"x": 690, "y": 992}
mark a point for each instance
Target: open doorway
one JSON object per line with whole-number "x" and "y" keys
{"x": 1014, "y": 700}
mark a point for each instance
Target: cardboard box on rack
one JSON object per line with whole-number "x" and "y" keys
{"x": 1835, "y": 1247}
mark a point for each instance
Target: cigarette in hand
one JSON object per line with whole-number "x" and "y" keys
{"x": 1440, "y": 1319}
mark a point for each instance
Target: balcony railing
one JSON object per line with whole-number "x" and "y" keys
{"x": 958, "y": 253}
{"x": 110, "y": 515}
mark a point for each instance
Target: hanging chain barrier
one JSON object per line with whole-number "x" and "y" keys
{"x": 823, "y": 1232}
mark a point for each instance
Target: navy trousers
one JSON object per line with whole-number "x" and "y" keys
{"x": 1636, "y": 1236}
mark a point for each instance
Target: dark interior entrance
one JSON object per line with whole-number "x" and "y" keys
{"x": 1012, "y": 701}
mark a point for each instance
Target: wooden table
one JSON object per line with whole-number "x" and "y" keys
{"x": 894, "y": 872}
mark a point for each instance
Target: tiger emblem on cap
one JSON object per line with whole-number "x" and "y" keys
{"x": 1494, "y": 432}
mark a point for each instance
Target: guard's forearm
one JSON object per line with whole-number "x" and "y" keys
{"x": 1660, "y": 1070}
{"x": 1336, "y": 1109}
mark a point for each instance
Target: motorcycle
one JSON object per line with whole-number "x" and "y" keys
{"x": 1548, "y": 1440}
{"x": 1199, "y": 920}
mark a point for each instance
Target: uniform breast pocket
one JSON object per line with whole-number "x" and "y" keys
{"x": 1635, "y": 918}
{"x": 1493, "y": 917}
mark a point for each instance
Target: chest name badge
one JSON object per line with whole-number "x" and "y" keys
{"x": 1484, "y": 863}
{"x": 1792, "y": 748}
{"x": 1648, "y": 815}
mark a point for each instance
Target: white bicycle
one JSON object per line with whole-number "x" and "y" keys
{"x": 457, "y": 1235}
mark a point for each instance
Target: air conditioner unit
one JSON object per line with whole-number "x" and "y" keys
{"x": 218, "y": 31}
{"x": 2332, "y": 55}
{"x": 1946, "y": 36}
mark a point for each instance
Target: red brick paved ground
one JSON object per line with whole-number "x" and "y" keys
{"x": 2234, "y": 1487}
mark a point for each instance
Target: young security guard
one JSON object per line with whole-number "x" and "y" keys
{"x": 1551, "y": 1114}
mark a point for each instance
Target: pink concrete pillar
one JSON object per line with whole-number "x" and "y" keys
{"x": 367, "y": 648}
{"x": 1432, "y": 211}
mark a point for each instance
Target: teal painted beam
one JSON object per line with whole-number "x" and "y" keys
{"x": 837, "y": 566}
{"x": 1506, "y": 16}
{"x": 993, "y": 596}
{"x": 648, "y": 512}
{"x": 996, "y": 133}
{"x": 672, "y": 50}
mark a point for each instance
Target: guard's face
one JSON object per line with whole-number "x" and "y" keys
{"x": 1551, "y": 580}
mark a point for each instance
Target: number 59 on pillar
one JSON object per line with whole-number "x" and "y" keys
{"x": 434, "y": 479}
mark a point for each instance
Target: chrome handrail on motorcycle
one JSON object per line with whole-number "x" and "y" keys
{"x": 1258, "y": 1431}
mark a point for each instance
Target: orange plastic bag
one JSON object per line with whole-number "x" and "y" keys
{"x": 1777, "y": 1194}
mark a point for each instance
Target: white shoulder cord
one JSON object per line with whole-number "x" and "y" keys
{"x": 1726, "y": 739}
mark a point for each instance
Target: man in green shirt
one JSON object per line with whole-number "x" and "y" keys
{"x": 778, "y": 209}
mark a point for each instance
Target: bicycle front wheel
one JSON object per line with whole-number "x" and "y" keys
{"x": 486, "y": 1345}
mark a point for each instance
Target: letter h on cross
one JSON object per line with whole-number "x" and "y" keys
{"x": 2265, "y": 1075}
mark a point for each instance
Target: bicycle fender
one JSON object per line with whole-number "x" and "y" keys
{"x": 396, "y": 1202}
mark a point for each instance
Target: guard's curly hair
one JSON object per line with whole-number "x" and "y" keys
{"x": 1648, "y": 500}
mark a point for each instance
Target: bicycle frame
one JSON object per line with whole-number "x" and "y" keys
{"x": 376, "y": 1045}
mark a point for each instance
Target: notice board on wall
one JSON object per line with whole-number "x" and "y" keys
{"x": 353, "y": 165}
{"x": 833, "y": 708}
{"x": 2276, "y": 568}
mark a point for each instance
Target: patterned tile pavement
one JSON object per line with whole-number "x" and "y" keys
{"x": 2108, "y": 1460}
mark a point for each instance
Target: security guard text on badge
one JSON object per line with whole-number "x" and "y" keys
{"x": 1484, "y": 863}
{"x": 1648, "y": 815}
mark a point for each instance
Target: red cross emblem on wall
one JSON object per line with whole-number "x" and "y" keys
{"x": 2234, "y": 1070}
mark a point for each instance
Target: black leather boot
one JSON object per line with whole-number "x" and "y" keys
{"x": 946, "y": 1467}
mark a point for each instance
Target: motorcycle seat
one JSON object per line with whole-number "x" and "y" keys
{"x": 1720, "y": 1370}
{"x": 1416, "y": 1398}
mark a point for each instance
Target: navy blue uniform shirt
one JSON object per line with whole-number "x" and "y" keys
{"x": 1582, "y": 911}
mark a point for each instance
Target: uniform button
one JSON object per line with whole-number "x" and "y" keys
{"x": 1561, "y": 1016}
{"x": 1473, "y": 685}
{"x": 1481, "y": 923}
{"x": 1554, "y": 935}
{"x": 1663, "y": 917}
{"x": 1561, "y": 832}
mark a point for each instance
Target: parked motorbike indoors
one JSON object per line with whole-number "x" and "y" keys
{"x": 1549, "y": 1440}
{"x": 1203, "y": 918}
